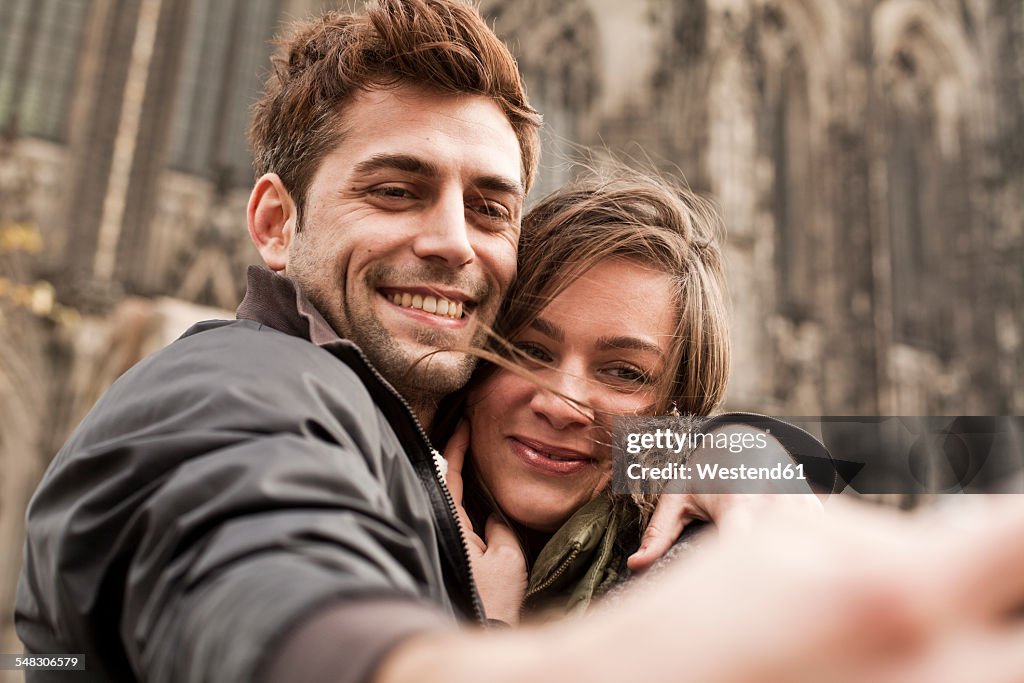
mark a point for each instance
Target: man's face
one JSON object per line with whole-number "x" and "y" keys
{"x": 410, "y": 232}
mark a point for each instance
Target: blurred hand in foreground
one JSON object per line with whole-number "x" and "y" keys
{"x": 856, "y": 595}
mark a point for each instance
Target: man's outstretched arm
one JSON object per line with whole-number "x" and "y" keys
{"x": 863, "y": 595}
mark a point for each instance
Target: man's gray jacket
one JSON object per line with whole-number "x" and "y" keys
{"x": 230, "y": 487}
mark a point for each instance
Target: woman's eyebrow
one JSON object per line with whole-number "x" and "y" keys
{"x": 623, "y": 342}
{"x": 548, "y": 329}
{"x": 629, "y": 343}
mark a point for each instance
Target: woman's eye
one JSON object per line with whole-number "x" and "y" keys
{"x": 630, "y": 374}
{"x": 534, "y": 351}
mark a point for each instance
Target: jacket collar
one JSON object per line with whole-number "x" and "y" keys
{"x": 276, "y": 301}
{"x": 583, "y": 558}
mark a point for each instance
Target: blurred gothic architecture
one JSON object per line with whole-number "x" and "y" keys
{"x": 868, "y": 156}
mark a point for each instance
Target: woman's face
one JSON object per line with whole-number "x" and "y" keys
{"x": 603, "y": 342}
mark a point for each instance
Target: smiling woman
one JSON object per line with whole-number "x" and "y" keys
{"x": 600, "y": 348}
{"x": 618, "y": 309}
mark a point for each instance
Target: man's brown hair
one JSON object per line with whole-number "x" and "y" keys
{"x": 442, "y": 45}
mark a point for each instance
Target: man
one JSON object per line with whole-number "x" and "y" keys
{"x": 259, "y": 501}
{"x": 260, "y": 472}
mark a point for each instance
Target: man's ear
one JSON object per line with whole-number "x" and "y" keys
{"x": 272, "y": 220}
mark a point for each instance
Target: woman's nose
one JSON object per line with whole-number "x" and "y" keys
{"x": 565, "y": 405}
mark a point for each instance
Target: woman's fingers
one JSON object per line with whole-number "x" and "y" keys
{"x": 668, "y": 521}
{"x": 501, "y": 577}
{"x": 735, "y": 513}
{"x": 455, "y": 454}
{"x": 500, "y": 538}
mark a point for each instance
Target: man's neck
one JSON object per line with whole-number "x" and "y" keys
{"x": 424, "y": 408}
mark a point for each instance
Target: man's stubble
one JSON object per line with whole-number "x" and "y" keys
{"x": 422, "y": 378}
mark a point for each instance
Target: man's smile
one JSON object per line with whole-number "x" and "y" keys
{"x": 440, "y": 305}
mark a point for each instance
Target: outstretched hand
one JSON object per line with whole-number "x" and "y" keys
{"x": 498, "y": 562}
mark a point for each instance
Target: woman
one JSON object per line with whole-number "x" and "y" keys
{"x": 618, "y": 309}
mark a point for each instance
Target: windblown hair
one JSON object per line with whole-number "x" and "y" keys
{"x": 631, "y": 215}
{"x": 442, "y": 45}
{"x": 622, "y": 214}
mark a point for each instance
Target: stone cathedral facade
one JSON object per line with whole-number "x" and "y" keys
{"x": 867, "y": 155}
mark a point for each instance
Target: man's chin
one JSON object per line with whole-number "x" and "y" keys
{"x": 416, "y": 358}
{"x": 436, "y": 373}
{"x": 419, "y": 371}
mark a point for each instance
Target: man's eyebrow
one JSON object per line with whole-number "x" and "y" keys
{"x": 496, "y": 183}
{"x": 419, "y": 166}
{"x": 548, "y": 329}
{"x": 629, "y": 343}
{"x": 399, "y": 162}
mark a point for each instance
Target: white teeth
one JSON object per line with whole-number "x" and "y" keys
{"x": 429, "y": 304}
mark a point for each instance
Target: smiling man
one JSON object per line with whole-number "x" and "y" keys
{"x": 264, "y": 488}
{"x": 413, "y": 221}
{"x": 259, "y": 500}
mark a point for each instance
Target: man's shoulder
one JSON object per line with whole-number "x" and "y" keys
{"x": 237, "y": 338}
{"x": 235, "y": 375}
{"x": 236, "y": 351}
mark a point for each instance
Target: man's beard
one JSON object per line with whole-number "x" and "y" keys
{"x": 422, "y": 378}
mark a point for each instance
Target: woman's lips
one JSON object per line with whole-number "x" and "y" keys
{"x": 549, "y": 459}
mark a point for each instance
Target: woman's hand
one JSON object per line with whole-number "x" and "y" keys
{"x": 730, "y": 512}
{"x": 499, "y": 566}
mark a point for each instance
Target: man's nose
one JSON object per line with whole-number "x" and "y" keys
{"x": 444, "y": 235}
{"x": 565, "y": 404}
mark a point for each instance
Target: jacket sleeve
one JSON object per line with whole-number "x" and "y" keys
{"x": 211, "y": 518}
{"x": 242, "y": 545}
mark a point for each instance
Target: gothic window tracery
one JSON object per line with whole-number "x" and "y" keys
{"x": 556, "y": 48}
{"x": 226, "y": 55}
{"x": 40, "y": 42}
{"x": 786, "y": 130}
{"x": 925, "y": 188}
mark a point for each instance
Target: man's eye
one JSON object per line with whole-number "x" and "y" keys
{"x": 534, "y": 351}
{"x": 392, "y": 192}
{"x": 492, "y": 211}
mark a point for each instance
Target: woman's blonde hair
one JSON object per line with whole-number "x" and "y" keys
{"x": 642, "y": 217}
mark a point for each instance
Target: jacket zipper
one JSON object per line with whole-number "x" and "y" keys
{"x": 554, "y": 576}
{"x": 466, "y": 568}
